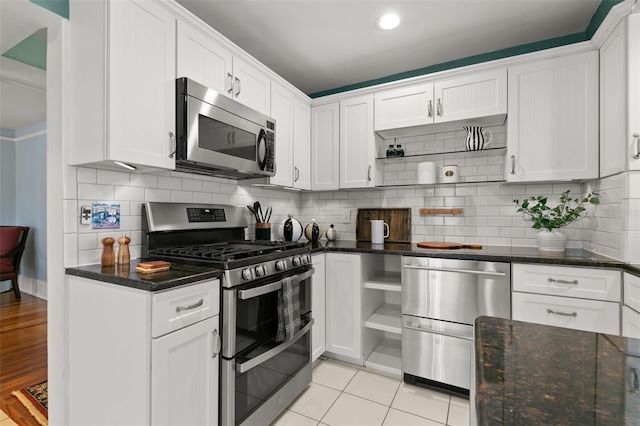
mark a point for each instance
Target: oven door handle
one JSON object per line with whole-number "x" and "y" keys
{"x": 461, "y": 271}
{"x": 269, "y": 288}
{"x": 248, "y": 365}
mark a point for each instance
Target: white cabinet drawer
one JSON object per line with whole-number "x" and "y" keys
{"x": 176, "y": 308}
{"x": 586, "y": 283}
{"x": 579, "y": 314}
{"x": 632, "y": 291}
{"x": 630, "y": 323}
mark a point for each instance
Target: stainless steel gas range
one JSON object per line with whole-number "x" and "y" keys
{"x": 266, "y": 303}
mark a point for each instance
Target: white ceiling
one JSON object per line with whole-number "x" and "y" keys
{"x": 320, "y": 45}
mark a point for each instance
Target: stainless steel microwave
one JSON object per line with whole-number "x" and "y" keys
{"x": 218, "y": 136}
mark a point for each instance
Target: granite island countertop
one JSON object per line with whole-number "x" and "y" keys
{"x": 126, "y": 275}
{"x": 536, "y": 374}
{"x": 572, "y": 257}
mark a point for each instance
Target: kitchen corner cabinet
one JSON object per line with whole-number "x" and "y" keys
{"x": 633, "y": 113}
{"x": 382, "y": 313}
{"x": 580, "y": 298}
{"x": 318, "y": 297}
{"x": 631, "y": 309}
{"x": 122, "y": 84}
{"x": 154, "y": 354}
{"x": 301, "y": 144}
{"x": 479, "y": 97}
{"x": 344, "y": 306}
{"x": 357, "y": 143}
{"x": 325, "y": 147}
{"x": 613, "y": 102}
{"x": 552, "y": 132}
{"x": 201, "y": 58}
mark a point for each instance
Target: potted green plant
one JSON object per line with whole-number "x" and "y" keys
{"x": 548, "y": 219}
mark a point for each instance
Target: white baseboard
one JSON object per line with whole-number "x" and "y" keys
{"x": 32, "y": 286}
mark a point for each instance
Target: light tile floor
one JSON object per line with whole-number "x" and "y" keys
{"x": 347, "y": 395}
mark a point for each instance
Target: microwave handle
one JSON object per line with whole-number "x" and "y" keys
{"x": 262, "y": 140}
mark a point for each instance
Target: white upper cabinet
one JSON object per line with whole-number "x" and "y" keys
{"x": 325, "y": 147}
{"x": 357, "y": 143}
{"x": 282, "y": 112}
{"x": 474, "y": 96}
{"x": 122, "y": 91}
{"x": 633, "y": 65}
{"x": 479, "y": 99}
{"x": 203, "y": 59}
{"x": 301, "y": 144}
{"x": 404, "y": 107}
{"x": 552, "y": 131}
{"x": 613, "y": 102}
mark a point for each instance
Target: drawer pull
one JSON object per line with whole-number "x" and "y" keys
{"x": 553, "y": 280}
{"x": 563, "y": 314}
{"x": 634, "y": 387}
{"x": 186, "y": 308}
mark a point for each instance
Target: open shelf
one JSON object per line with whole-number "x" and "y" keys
{"x": 389, "y": 281}
{"x": 387, "y": 356}
{"x": 486, "y": 151}
{"x": 386, "y": 318}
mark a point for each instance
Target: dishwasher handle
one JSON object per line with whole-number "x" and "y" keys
{"x": 461, "y": 271}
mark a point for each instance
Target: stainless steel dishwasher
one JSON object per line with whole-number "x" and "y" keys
{"x": 441, "y": 298}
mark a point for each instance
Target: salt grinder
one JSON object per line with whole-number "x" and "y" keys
{"x": 123, "y": 250}
{"x": 108, "y": 257}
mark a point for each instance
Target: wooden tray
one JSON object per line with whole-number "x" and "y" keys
{"x": 153, "y": 267}
{"x": 447, "y": 246}
{"x": 399, "y": 221}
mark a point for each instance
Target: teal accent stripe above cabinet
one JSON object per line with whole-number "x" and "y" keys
{"x": 599, "y": 15}
{"x": 31, "y": 51}
{"x": 59, "y": 7}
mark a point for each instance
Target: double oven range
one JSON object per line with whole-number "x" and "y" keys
{"x": 261, "y": 373}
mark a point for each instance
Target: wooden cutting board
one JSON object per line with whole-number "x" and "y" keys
{"x": 448, "y": 246}
{"x": 399, "y": 221}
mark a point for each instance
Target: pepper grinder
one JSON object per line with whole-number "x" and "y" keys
{"x": 108, "y": 257}
{"x": 123, "y": 250}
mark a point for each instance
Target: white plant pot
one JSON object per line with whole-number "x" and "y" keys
{"x": 553, "y": 240}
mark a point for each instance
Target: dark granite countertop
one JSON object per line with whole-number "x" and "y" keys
{"x": 126, "y": 275}
{"x": 576, "y": 257}
{"x": 536, "y": 374}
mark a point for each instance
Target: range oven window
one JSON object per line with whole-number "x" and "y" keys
{"x": 257, "y": 317}
{"x": 214, "y": 135}
{"x": 256, "y": 385}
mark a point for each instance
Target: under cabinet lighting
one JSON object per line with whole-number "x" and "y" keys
{"x": 125, "y": 165}
{"x": 388, "y": 21}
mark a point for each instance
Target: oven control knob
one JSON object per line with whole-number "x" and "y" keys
{"x": 297, "y": 261}
{"x": 281, "y": 265}
{"x": 246, "y": 274}
{"x": 308, "y": 256}
{"x": 260, "y": 271}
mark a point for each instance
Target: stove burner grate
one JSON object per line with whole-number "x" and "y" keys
{"x": 226, "y": 251}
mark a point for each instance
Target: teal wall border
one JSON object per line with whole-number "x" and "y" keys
{"x": 31, "y": 51}
{"x": 597, "y": 18}
{"x": 59, "y": 7}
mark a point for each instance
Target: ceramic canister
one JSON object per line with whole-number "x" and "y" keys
{"x": 313, "y": 231}
{"x": 332, "y": 233}
{"x": 450, "y": 174}
{"x": 290, "y": 229}
{"x": 426, "y": 173}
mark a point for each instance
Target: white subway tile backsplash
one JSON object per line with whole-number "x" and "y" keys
{"x": 109, "y": 177}
{"x": 181, "y": 197}
{"x": 157, "y": 195}
{"x": 86, "y": 175}
{"x": 88, "y": 241}
{"x": 128, "y": 193}
{"x": 144, "y": 181}
{"x": 168, "y": 182}
{"x": 71, "y": 215}
{"x": 94, "y": 192}
{"x": 191, "y": 185}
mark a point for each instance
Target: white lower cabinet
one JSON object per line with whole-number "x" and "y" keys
{"x": 155, "y": 354}
{"x": 344, "y": 306}
{"x": 382, "y": 313}
{"x": 566, "y": 296}
{"x": 630, "y": 323}
{"x": 318, "y": 289}
{"x": 568, "y": 312}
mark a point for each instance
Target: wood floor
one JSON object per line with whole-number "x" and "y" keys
{"x": 23, "y": 350}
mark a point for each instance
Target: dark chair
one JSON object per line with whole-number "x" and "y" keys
{"x": 12, "y": 243}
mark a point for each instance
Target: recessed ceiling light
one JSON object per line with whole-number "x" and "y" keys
{"x": 388, "y": 21}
